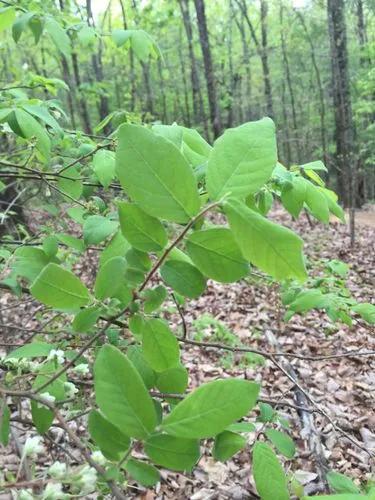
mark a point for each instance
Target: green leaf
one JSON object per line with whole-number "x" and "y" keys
{"x": 111, "y": 441}
{"x": 366, "y": 311}
{"x": 173, "y": 452}
{"x": 217, "y": 255}
{"x": 7, "y": 17}
{"x": 174, "y": 380}
{"x": 333, "y": 206}
{"x": 241, "y": 427}
{"x": 160, "y": 347}
{"x": 270, "y": 479}
{"x": 184, "y": 278}
{"x": 275, "y": 249}
{"x": 30, "y": 127}
{"x": 104, "y": 166}
{"x": 343, "y": 496}
{"x": 154, "y": 297}
{"x": 282, "y": 442}
{"x": 145, "y": 474}
{"x": 317, "y": 202}
{"x": 86, "y": 319}
{"x": 71, "y": 242}
{"x": 144, "y": 232}
{"x": 59, "y": 288}
{"x": 155, "y": 174}
{"x": 121, "y": 394}
{"x": 340, "y": 483}
{"x": 20, "y": 24}
{"x": 50, "y": 246}
{"x": 59, "y": 36}
{"x": 97, "y": 228}
{"x": 29, "y": 261}
{"x": 117, "y": 247}
{"x": 143, "y": 45}
{"x": 4, "y": 422}
{"x": 32, "y": 350}
{"x": 307, "y": 300}
{"x": 227, "y": 444}
{"x": 121, "y": 36}
{"x": 314, "y": 165}
{"x": 71, "y": 187}
{"x": 136, "y": 356}
{"x": 36, "y": 27}
{"x": 242, "y": 160}
{"x": 110, "y": 278}
{"x": 293, "y": 196}
{"x": 208, "y": 410}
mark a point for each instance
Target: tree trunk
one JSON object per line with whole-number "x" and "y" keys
{"x": 344, "y": 125}
{"x": 247, "y": 66}
{"x": 289, "y": 84}
{"x": 208, "y": 67}
{"x": 85, "y": 118}
{"x": 133, "y": 92}
{"x": 322, "y": 107}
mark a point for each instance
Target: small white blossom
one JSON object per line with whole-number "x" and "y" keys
{"x": 58, "y": 355}
{"x": 48, "y": 398}
{"x": 53, "y": 491}
{"x": 87, "y": 479}
{"x": 70, "y": 390}
{"x": 57, "y": 470}
{"x": 81, "y": 369}
{"x": 25, "y": 495}
{"x": 98, "y": 457}
{"x": 11, "y": 362}
{"x": 33, "y": 446}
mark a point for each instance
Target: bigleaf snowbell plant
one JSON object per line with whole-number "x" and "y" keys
{"x": 162, "y": 240}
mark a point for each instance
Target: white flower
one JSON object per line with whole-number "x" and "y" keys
{"x": 98, "y": 457}
{"x": 25, "y": 495}
{"x": 70, "y": 390}
{"x": 53, "y": 491}
{"x": 82, "y": 369}
{"x": 33, "y": 446}
{"x": 57, "y": 355}
{"x": 87, "y": 480}
{"x": 57, "y": 470}
{"x": 11, "y": 362}
{"x": 48, "y": 398}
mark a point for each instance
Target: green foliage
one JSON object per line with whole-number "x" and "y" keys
{"x": 269, "y": 476}
{"x": 174, "y": 452}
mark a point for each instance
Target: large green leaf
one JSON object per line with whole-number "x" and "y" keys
{"x": 293, "y": 196}
{"x": 155, "y": 174}
{"x": 317, "y": 202}
{"x": 121, "y": 394}
{"x": 7, "y": 16}
{"x": 242, "y": 160}
{"x": 59, "y": 288}
{"x": 145, "y": 474}
{"x": 216, "y": 254}
{"x": 367, "y": 311}
{"x": 340, "y": 483}
{"x": 59, "y": 36}
{"x": 104, "y": 166}
{"x": 270, "y": 479}
{"x": 144, "y": 232}
{"x": 227, "y": 444}
{"x": 110, "y": 278}
{"x": 72, "y": 186}
{"x": 282, "y": 442}
{"x": 29, "y": 261}
{"x": 4, "y": 422}
{"x": 159, "y": 345}
{"x": 173, "y": 380}
{"x": 211, "y": 408}
{"x": 32, "y": 350}
{"x": 97, "y": 228}
{"x": 275, "y": 249}
{"x": 184, "y": 278}
{"x": 30, "y": 127}
{"x": 173, "y": 452}
{"x": 111, "y": 441}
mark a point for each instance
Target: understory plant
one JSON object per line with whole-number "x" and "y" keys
{"x": 165, "y": 212}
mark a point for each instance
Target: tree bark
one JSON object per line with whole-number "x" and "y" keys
{"x": 344, "y": 125}
{"x": 209, "y": 71}
{"x": 133, "y": 92}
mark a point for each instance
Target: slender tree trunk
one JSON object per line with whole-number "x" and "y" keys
{"x": 262, "y": 49}
{"x": 133, "y": 92}
{"x": 344, "y": 125}
{"x": 162, "y": 92}
{"x": 322, "y": 106}
{"x": 97, "y": 65}
{"x": 209, "y": 71}
{"x": 247, "y": 66}
{"x": 289, "y": 82}
{"x": 85, "y": 117}
{"x": 184, "y": 82}
{"x": 286, "y": 136}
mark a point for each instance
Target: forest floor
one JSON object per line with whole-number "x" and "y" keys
{"x": 250, "y": 311}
